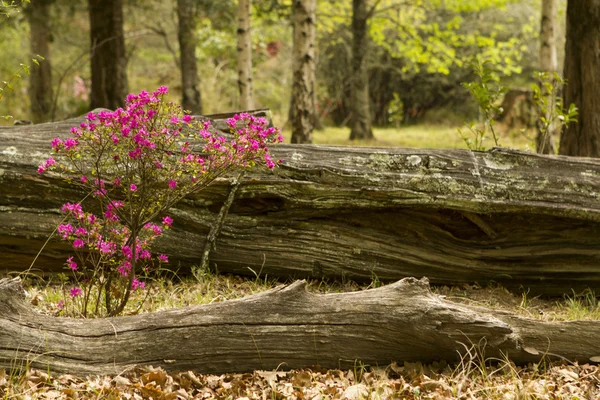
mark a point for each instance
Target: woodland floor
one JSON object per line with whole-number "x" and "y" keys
{"x": 424, "y": 135}
{"x": 476, "y": 377}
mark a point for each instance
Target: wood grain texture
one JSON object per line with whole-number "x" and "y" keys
{"x": 454, "y": 216}
{"x": 286, "y": 327}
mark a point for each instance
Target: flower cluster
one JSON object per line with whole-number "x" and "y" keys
{"x": 136, "y": 162}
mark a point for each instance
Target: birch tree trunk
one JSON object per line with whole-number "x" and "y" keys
{"x": 582, "y": 66}
{"x": 303, "y": 85}
{"x": 109, "y": 63}
{"x": 244, "y": 55}
{"x": 40, "y": 79}
{"x": 548, "y": 63}
{"x": 191, "y": 98}
{"x": 360, "y": 120}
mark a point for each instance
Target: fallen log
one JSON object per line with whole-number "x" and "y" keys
{"x": 455, "y": 216}
{"x": 286, "y": 327}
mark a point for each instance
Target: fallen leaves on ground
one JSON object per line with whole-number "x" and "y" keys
{"x": 409, "y": 381}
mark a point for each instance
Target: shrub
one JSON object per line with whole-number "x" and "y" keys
{"x": 137, "y": 162}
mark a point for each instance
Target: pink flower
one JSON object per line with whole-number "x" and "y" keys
{"x": 75, "y": 292}
{"x": 83, "y": 179}
{"x": 145, "y": 255}
{"x": 162, "y": 90}
{"x": 60, "y": 305}
{"x": 167, "y": 221}
{"x": 56, "y": 144}
{"x": 187, "y": 118}
{"x": 45, "y": 165}
{"x": 124, "y": 268}
{"x": 133, "y": 187}
{"x": 156, "y": 230}
{"x": 65, "y": 230}
{"x": 268, "y": 161}
{"x": 172, "y": 184}
{"x": 71, "y": 264}
{"x": 78, "y": 243}
{"x": 70, "y": 143}
{"x": 75, "y": 209}
{"x": 135, "y": 154}
{"x": 126, "y": 251}
{"x": 163, "y": 258}
{"x": 107, "y": 248}
{"x": 135, "y": 284}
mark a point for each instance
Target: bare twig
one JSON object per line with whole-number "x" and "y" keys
{"x": 216, "y": 228}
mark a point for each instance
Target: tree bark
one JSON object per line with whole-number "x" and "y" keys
{"x": 544, "y": 143}
{"x": 40, "y": 79}
{"x": 454, "y": 216}
{"x": 360, "y": 120}
{"x": 582, "y": 63}
{"x": 286, "y": 327}
{"x": 244, "y": 55}
{"x": 109, "y": 63}
{"x": 303, "y": 85}
{"x": 191, "y": 97}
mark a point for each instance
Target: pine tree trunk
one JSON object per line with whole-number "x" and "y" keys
{"x": 40, "y": 80}
{"x": 582, "y": 66}
{"x": 548, "y": 63}
{"x": 244, "y": 55}
{"x": 360, "y": 121}
{"x": 303, "y": 85}
{"x": 191, "y": 97}
{"x": 109, "y": 63}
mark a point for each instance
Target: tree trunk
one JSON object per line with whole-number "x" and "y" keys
{"x": 454, "y": 216}
{"x": 544, "y": 143}
{"x": 40, "y": 79}
{"x": 109, "y": 63}
{"x": 191, "y": 98}
{"x": 582, "y": 63}
{"x": 303, "y": 85}
{"x": 360, "y": 120}
{"x": 285, "y": 327}
{"x": 244, "y": 55}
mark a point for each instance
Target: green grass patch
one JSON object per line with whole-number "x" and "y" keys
{"x": 415, "y": 136}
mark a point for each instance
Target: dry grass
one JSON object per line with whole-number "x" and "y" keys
{"x": 206, "y": 287}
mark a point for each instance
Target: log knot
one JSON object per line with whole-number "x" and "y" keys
{"x": 412, "y": 286}
{"x": 11, "y": 288}
{"x": 12, "y": 296}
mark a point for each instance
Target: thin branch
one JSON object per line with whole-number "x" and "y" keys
{"x": 160, "y": 31}
{"x": 216, "y": 228}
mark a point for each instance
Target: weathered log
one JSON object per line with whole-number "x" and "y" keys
{"x": 286, "y": 327}
{"x": 454, "y": 216}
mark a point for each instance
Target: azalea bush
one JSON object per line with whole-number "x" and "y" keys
{"x": 137, "y": 162}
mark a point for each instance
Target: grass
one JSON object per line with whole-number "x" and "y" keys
{"x": 415, "y": 136}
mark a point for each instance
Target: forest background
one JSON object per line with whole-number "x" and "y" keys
{"x": 417, "y": 55}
